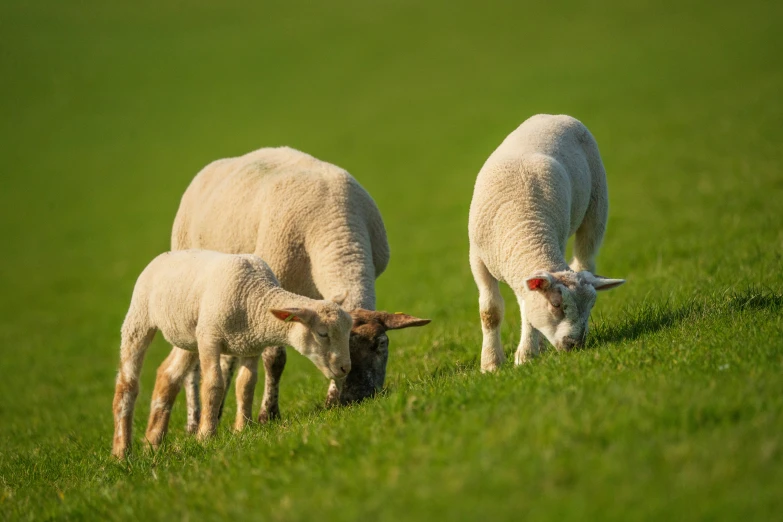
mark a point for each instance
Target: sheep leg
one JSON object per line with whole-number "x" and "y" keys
{"x": 169, "y": 379}
{"x": 333, "y": 394}
{"x": 192, "y": 380}
{"x": 274, "y": 358}
{"x": 491, "y": 309}
{"x": 228, "y": 364}
{"x": 211, "y": 387}
{"x": 530, "y": 341}
{"x": 247, "y": 376}
{"x": 135, "y": 342}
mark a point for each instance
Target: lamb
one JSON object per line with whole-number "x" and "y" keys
{"x": 208, "y": 304}
{"x": 321, "y": 234}
{"x": 544, "y": 183}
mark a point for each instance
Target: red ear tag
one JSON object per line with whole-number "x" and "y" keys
{"x": 535, "y": 284}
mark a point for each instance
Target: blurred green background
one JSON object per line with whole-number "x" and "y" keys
{"x": 108, "y": 110}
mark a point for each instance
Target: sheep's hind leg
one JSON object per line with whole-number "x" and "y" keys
{"x": 134, "y": 346}
{"x": 211, "y": 387}
{"x": 530, "y": 340}
{"x": 169, "y": 379}
{"x": 228, "y": 365}
{"x": 491, "y": 309}
{"x": 193, "y": 399}
{"x": 274, "y": 358}
{"x": 247, "y": 376}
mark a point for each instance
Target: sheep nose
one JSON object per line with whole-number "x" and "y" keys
{"x": 570, "y": 342}
{"x": 342, "y": 369}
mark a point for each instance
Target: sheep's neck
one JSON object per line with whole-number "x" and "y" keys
{"x": 345, "y": 268}
{"x": 541, "y": 250}
{"x": 274, "y": 331}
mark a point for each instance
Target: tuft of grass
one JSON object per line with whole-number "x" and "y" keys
{"x": 673, "y": 411}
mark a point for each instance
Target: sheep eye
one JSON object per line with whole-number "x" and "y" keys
{"x": 323, "y": 335}
{"x": 556, "y": 305}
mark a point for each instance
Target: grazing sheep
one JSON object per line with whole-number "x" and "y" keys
{"x": 209, "y": 304}
{"x": 544, "y": 183}
{"x": 321, "y": 234}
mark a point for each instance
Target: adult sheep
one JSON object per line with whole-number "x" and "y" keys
{"x": 543, "y": 184}
{"x": 323, "y": 237}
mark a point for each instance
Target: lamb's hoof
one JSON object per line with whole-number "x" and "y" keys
{"x": 192, "y": 428}
{"x": 119, "y": 452}
{"x": 490, "y": 368}
{"x": 332, "y": 398}
{"x": 204, "y": 435}
{"x": 268, "y": 415}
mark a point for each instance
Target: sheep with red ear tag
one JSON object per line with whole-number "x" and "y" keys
{"x": 543, "y": 184}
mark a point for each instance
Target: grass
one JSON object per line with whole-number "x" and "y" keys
{"x": 674, "y": 409}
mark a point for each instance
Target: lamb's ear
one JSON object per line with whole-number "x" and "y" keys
{"x": 604, "y": 283}
{"x": 398, "y": 321}
{"x": 340, "y": 299}
{"x": 298, "y": 315}
{"x": 540, "y": 280}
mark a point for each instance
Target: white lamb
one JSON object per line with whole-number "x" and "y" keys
{"x": 208, "y": 304}
{"x": 544, "y": 183}
{"x": 322, "y": 235}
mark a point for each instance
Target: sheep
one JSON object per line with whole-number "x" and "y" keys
{"x": 321, "y": 234}
{"x": 543, "y": 184}
{"x": 208, "y": 304}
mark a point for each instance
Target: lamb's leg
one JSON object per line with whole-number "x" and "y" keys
{"x": 228, "y": 365}
{"x": 274, "y": 358}
{"x": 491, "y": 308}
{"x": 589, "y": 236}
{"x": 211, "y": 386}
{"x": 247, "y": 376}
{"x": 192, "y": 380}
{"x": 169, "y": 379}
{"x": 135, "y": 342}
{"x": 333, "y": 394}
{"x": 530, "y": 341}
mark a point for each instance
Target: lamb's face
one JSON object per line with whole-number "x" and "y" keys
{"x": 559, "y": 304}
{"x": 330, "y": 336}
{"x": 322, "y": 336}
{"x": 370, "y": 351}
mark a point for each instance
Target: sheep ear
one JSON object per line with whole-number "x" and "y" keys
{"x": 539, "y": 281}
{"x": 604, "y": 283}
{"x": 399, "y": 320}
{"x": 297, "y": 315}
{"x": 340, "y": 298}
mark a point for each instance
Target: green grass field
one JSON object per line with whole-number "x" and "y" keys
{"x": 673, "y": 412}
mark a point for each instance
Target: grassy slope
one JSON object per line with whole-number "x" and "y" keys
{"x": 674, "y": 411}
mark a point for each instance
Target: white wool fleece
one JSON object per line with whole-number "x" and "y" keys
{"x": 311, "y": 221}
{"x": 544, "y": 183}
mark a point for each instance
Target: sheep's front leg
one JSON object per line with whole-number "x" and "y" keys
{"x": 274, "y": 358}
{"x": 169, "y": 379}
{"x": 491, "y": 309}
{"x": 530, "y": 341}
{"x": 333, "y": 393}
{"x": 247, "y": 376}
{"x": 211, "y": 387}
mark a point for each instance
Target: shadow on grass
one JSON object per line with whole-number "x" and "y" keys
{"x": 653, "y": 317}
